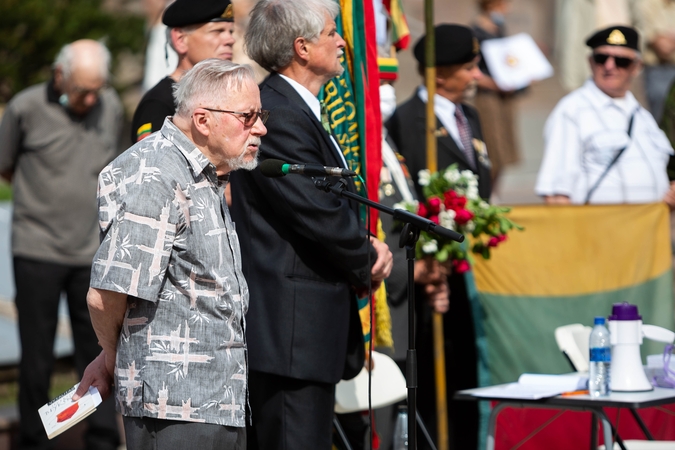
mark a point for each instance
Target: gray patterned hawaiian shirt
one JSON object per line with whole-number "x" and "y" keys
{"x": 168, "y": 242}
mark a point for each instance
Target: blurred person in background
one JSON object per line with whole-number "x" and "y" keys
{"x": 197, "y": 30}
{"x": 160, "y": 58}
{"x": 459, "y": 140}
{"x": 495, "y": 106}
{"x": 656, "y": 21}
{"x": 575, "y": 19}
{"x": 54, "y": 139}
{"x": 601, "y": 146}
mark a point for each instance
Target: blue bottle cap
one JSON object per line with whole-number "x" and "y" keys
{"x": 599, "y": 321}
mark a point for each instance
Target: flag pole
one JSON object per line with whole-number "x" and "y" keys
{"x": 432, "y": 165}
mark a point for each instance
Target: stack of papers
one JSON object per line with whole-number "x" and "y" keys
{"x": 515, "y": 61}
{"x": 532, "y": 386}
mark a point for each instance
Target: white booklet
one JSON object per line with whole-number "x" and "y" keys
{"x": 532, "y": 386}
{"x": 62, "y": 413}
{"x": 515, "y": 61}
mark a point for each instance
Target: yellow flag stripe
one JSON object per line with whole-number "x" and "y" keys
{"x": 575, "y": 250}
{"x": 143, "y": 131}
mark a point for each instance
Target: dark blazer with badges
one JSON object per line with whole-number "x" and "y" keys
{"x": 407, "y": 129}
{"x": 302, "y": 250}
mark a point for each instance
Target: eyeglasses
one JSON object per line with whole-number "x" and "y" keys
{"x": 619, "y": 61}
{"x": 249, "y": 117}
{"x": 80, "y": 91}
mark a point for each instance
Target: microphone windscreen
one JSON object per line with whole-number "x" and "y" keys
{"x": 272, "y": 168}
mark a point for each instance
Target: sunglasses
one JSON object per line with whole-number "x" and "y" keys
{"x": 249, "y": 117}
{"x": 619, "y": 61}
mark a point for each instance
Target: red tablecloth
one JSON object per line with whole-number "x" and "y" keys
{"x": 571, "y": 429}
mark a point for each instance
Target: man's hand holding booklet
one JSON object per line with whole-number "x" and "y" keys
{"x": 62, "y": 413}
{"x": 532, "y": 386}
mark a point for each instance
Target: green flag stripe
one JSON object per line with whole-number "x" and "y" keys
{"x": 519, "y": 330}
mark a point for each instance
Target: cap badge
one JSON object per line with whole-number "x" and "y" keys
{"x": 476, "y": 46}
{"x": 228, "y": 13}
{"x": 616, "y": 37}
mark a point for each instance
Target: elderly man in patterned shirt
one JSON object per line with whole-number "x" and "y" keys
{"x": 167, "y": 295}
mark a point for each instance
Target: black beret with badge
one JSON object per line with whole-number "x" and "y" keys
{"x": 455, "y": 44}
{"x": 182, "y": 13}
{"x": 618, "y": 35}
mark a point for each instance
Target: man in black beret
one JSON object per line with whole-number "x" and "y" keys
{"x": 197, "y": 30}
{"x": 459, "y": 141}
{"x": 601, "y": 145}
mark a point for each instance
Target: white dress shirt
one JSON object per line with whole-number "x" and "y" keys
{"x": 315, "y": 107}
{"x": 445, "y": 112}
{"x": 583, "y": 134}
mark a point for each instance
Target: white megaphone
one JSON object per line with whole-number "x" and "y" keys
{"x": 625, "y": 334}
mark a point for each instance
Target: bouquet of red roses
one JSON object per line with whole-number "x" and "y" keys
{"x": 452, "y": 201}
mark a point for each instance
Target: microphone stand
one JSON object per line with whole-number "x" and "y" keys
{"x": 408, "y": 239}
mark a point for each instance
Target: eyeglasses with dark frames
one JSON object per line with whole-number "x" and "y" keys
{"x": 249, "y": 117}
{"x": 620, "y": 61}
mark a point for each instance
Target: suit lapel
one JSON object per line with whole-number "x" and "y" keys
{"x": 280, "y": 85}
{"x": 446, "y": 144}
{"x": 274, "y": 81}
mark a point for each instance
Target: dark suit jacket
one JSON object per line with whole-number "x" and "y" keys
{"x": 302, "y": 250}
{"x": 407, "y": 129}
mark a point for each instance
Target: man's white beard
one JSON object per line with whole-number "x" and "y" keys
{"x": 239, "y": 162}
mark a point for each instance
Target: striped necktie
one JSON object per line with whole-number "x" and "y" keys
{"x": 465, "y": 136}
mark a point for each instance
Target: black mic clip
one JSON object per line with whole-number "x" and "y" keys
{"x": 324, "y": 185}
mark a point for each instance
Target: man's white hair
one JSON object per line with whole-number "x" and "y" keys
{"x": 66, "y": 59}
{"x": 209, "y": 79}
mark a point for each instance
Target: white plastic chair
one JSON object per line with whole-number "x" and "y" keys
{"x": 572, "y": 340}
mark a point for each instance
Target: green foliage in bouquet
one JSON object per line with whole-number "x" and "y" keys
{"x": 452, "y": 201}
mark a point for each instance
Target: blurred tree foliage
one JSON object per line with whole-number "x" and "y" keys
{"x": 33, "y": 31}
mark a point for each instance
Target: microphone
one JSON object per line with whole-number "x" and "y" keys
{"x": 277, "y": 168}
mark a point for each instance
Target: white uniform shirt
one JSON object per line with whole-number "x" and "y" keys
{"x": 582, "y": 135}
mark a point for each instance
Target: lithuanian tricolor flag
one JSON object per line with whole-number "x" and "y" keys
{"x": 570, "y": 264}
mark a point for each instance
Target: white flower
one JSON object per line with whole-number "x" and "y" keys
{"x": 468, "y": 175}
{"x": 407, "y": 206}
{"x": 446, "y": 219}
{"x": 472, "y": 193}
{"x": 470, "y": 226}
{"x": 424, "y": 177}
{"x": 452, "y": 176}
{"x": 483, "y": 204}
{"x": 430, "y": 247}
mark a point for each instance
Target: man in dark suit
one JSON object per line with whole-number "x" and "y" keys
{"x": 305, "y": 252}
{"x": 459, "y": 140}
{"x": 456, "y": 75}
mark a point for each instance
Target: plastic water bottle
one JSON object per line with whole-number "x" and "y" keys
{"x": 401, "y": 430}
{"x": 601, "y": 356}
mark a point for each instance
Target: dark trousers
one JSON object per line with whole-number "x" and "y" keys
{"x": 289, "y": 414}
{"x": 38, "y": 290}
{"x": 147, "y": 433}
{"x": 461, "y": 368}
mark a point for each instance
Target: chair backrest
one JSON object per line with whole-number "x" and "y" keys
{"x": 572, "y": 340}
